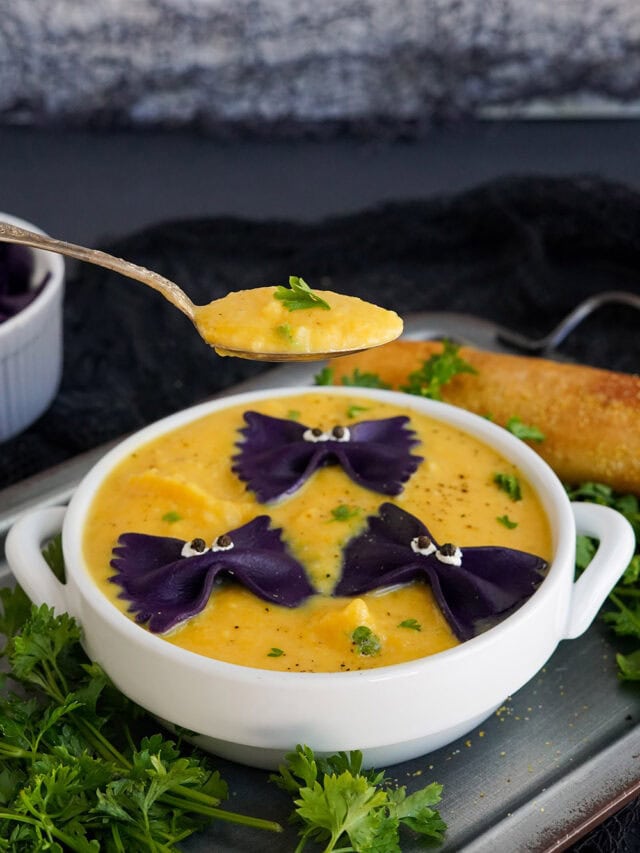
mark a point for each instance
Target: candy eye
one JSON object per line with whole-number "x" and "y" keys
{"x": 222, "y": 543}
{"x": 422, "y": 545}
{"x": 449, "y": 554}
{"x": 193, "y": 548}
{"x": 315, "y": 434}
{"x": 340, "y": 433}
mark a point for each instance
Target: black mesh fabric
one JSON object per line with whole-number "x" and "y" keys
{"x": 519, "y": 251}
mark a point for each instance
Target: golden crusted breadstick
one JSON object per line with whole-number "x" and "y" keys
{"x": 590, "y": 417}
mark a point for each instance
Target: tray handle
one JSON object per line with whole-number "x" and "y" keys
{"x": 616, "y": 547}
{"x": 23, "y": 550}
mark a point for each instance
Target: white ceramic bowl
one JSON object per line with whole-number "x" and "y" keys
{"x": 391, "y": 713}
{"x": 31, "y": 345}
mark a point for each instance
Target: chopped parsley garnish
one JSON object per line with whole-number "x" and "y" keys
{"x": 436, "y": 371}
{"x": 171, "y": 517}
{"x": 524, "y": 431}
{"x": 294, "y": 415}
{"x": 365, "y": 641}
{"x": 510, "y": 484}
{"x": 344, "y": 512}
{"x": 299, "y": 295}
{"x": 413, "y": 624}
{"x": 506, "y": 521}
{"x": 285, "y": 331}
{"x": 354, "y": 410}
{"x": 344, "y": 807}
{"x": 275, "y": 653}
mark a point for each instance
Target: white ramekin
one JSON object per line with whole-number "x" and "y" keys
{"x": 392, "y": 713}
{"x": 31, "y": 345}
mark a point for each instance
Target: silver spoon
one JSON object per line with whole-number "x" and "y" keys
{"x": 13, "y": 234}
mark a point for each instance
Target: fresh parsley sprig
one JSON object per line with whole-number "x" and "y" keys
{"x": 524, "y": 431}
{"x": 437, "y": 371}
{"x": 299, "y": 296}
{"x": 622, "y": 612}
{"x": 324, "y": 376}
{"x": 344, "y": 807}
{"x": 79, "y": 770}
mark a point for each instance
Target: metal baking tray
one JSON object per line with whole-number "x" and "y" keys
{"x": 561, "y": 755}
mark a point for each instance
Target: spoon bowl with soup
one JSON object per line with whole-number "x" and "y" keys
{"x": 265, "y": 324}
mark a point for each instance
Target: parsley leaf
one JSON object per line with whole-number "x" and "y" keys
{"x": 16, "y": 608}
{"x": 354, "y": 410}
{"x": 171, "y": 517}
{"x": 357, "y": 379}
{"x": 510, "y": 484}
{"x": 344, "y": 512}
{"x": 622, "y": 611}
{"x": 629, "y": 666}
{"x": 506, "y": 521}
{"x": 299, "y": 296}
{"x": 324, "y": 376}
{"x": 344, "y": 808}
{"x": 436, "y": 371}
{"x": 524, "y": 431}
{"x": 415, "y": 812}
{"x": 585, "y": 551}
{"x": 343, "y": 804}
{"x": 275, "y": 652}
{"x": 285, "y": 331}
{"x": 625, "y": 619}
{"x": 52, "y": 553}
{"x": 364, "y": 380}
{"x": 632, "y": 572}
{"x": 365, "y": 641}
{"x": 413, "y": 624}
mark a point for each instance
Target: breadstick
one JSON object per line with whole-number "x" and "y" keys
{"x": 590, "y": 417}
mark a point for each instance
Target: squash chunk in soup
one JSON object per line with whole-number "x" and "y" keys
{"x": 182, "y": 485}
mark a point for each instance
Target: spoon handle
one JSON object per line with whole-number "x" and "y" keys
{"x": 169, "y": 289}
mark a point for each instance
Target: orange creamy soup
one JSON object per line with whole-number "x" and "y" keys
{"x": 181, "y": 485}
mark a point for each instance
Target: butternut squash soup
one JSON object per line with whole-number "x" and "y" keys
{"x": 341, "y": 517}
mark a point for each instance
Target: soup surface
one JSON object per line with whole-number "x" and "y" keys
{"x": 181, "y": 485}
{"x": 256, "y": 321}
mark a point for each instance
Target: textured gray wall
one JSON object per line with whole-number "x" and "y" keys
{"x": 293, "y": 65}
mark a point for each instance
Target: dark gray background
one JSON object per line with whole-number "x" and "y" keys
{"x": 87, "y": 186}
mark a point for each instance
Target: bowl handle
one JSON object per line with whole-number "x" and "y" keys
{"x": 616, "y": 547}
{"x": 23, "y": 550}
